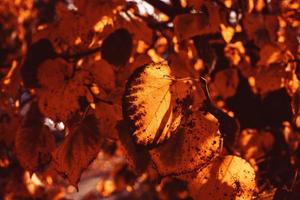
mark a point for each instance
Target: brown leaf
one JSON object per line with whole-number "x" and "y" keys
{"x": 261, "y": 28}
{"x": 254, "y": 144}
{"x": 34, "y": 141}
{"x": 189, "y": 25}
{"x": 226, "y": 82}
{"x": 195, "y": 144}
{"x": 103, "y": 74}
{"x": 230, "y": 177}
{"x": 78, "y": 149}
{"x": 108, "y": 117}
{"x": 116, "y": 47}
{"x": 58, "y": 84}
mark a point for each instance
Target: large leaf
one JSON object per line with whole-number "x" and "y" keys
{"x": 59, "y": 83}
{"x": 230, "y": 177}
{"x": 152, "y": 103}
{"x": 194, "y": 146}
{"x": 34, "y": 141}
{"x": 78, "y": 149}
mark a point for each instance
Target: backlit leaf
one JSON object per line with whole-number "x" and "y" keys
{"x": 195, "y": 144}
{"x": 147, "y": 101}
{"x": 230, "y": 177}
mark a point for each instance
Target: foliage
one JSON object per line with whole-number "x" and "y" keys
{"x": 189, "y": 99}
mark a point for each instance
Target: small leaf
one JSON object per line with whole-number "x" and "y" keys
{"x": 78, "y": 149}
{"x": 34, "y": 141}
{"x": 230, "y": 177}
{"x": 103, "y": 74}
{"x": 226, "y": 82}
{"x": 117, "y": 47}
{"x": 37, "y": 53}
{"x": 193, "y": 24}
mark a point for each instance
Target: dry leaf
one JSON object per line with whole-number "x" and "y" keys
{"x": 78, "y": 149}
{"x": 57, "y": 85}
{"x": 230, "y": 177}
{"x": 226, "y": 82}
{"x": 34, "y": 141}
{"x": 147, "y": 102}
{"x": 195, "y": 144}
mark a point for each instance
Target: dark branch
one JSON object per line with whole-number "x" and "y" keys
{"x": 163, "y": 7}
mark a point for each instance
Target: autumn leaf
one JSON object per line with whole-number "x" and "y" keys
{"x": 228, "y": 177}
{"x": 136, "y": 156}
{"x": 147, "y": 101}
{"x": 103, "y": 74}
{"x": 58, "y": 83}
{"x": 79, "y": 148}
{"x": 34, "y": 141}
{"x": 108, "y": 116}
{"x": 37, "y": 53}
{"x": 195, "y": 144}
{"x": 116, "y": 47}
{"x": 226, "y": 82}
{"x": 192, "y": 24}
{"x": 253, "y": 144}
{"x": 261, "y": 28}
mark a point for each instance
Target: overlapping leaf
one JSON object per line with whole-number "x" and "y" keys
{"x": 59, "y": 83}
{"x": 34, "y": 141}
{"x": 147, "y": 102}
{"x": 79, "y": 148}
{"x": 195, "y": 144}
{"x": 230, "y": 177}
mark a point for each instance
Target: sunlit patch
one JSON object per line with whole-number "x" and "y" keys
{"x": 77, "y": 41}
{"x": 141, "y": 46}
{"x": 95, "y": 89}
{"x": 298, "y": 121}
{"x": 7, "y": 78}
{"x": 228, "y": 3}
{"x": 227, "y": 32}
{"x": 49, "y": 180}
{"x": 183, "y": 3}
{"x": 106, "y": 187}
{"x": 93, "y": 105}
{"x": 131, "y": 59}
{"x": 59, "y": 126}
{"x": 251, "y": 81}
{"x": 4, "y": 163}
{"x": 154, "y": 56}
{"x": 102, "y": 23}
{"x": 32, "y": 182}
{"x": 144, "y": 7}
{"x": 199, "y": 65}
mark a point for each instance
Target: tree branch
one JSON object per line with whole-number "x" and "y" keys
{"x": 163, "y": 7}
